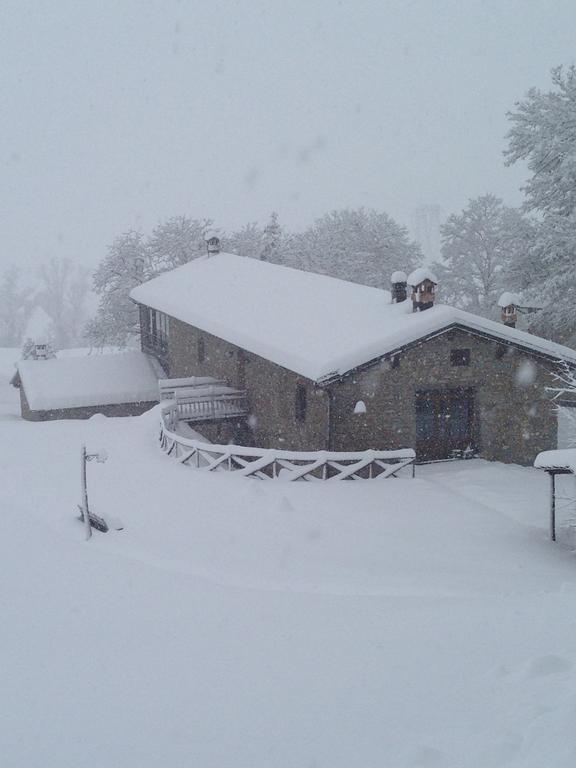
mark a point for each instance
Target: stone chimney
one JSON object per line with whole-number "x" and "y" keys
{"x": 399, "y": 284}
{"x": 212, "y": 244}
{"x": 423, "y": 283}
{"x": 509, "y": 303}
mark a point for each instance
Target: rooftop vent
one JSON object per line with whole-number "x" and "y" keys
{"x": 423, "y": 283}
{"x": 399, "y": 287}
{"x": 509, "y": 303}
{"x": 212, "y": 244}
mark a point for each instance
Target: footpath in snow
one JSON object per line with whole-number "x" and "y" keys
{"x": 250, "y": 624}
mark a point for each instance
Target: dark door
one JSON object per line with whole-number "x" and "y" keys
{"x": 444, "y": 422}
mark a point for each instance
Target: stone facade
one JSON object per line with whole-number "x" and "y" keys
{"x": 271, "y": 391}
{"x": 119, "y": 409}
{"x": 513, "y": 418}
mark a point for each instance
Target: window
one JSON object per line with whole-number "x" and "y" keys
{"x": 460, "y": 356}
{"x": 300, "y": 402}
{"x": 154, "y": 328}
{"x": 201, "y": 350}
{"x": 395, "y": 361}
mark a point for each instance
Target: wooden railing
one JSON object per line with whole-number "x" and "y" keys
{"x": 204, "y": 398}
{"x": 271, "y": 464}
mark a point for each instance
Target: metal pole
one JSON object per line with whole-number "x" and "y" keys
{"x": 552, "y": 506}
{"x": 86, "y": 511}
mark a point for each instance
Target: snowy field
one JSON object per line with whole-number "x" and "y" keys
{"x": 242, "y": 624}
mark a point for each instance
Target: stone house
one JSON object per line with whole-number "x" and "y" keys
{"x": 332, "y": 365}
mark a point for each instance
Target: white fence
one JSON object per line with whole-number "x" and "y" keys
{"x": 271, "y": 464}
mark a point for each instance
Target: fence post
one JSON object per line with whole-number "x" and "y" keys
{"x": 86, "y": 511}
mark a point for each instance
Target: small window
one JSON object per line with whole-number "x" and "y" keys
{"x": 395, "y": 361}
{"x": 201, "y": 350}
{"x": 460, "y": 356}
{"x": 300, "y": 402}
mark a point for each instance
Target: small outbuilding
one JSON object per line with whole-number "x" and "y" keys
{"x": 123, "y": 384}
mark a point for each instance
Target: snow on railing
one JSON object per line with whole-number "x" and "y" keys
{"x": 203, "y": 398}
{"x": 271, "y": 464}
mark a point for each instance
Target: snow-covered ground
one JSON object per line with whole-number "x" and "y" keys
{"x": 239, "y": 623}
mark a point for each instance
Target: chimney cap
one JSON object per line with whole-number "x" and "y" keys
{"x": 212, "y": 242}
{"x": 508, "y": 299}
{"x": 421, "y": 274}
{"x": 398, "y": 277}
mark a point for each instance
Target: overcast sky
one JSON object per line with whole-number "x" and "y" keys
{"x": 120, "y": 113}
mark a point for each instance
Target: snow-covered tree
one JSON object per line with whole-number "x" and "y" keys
{"x": 271, "y": 239}
{"x": 362, "y": 245}
{"x": 133, "y": 258}
{"x": 480, "y": 247}
{"x": 62, "y": 294}
{"x": 177, "y": 241}
{"x": 126, "y": 265}
{"x": 247, "y": 241}
{"x": 543, "y": 134}
{"x": 15, "y": 307}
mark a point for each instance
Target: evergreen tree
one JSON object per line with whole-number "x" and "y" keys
{"x": 271, "y": 239}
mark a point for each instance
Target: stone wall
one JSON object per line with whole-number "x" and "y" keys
{"x": 119, "y": 409}
{"x": 514, "y": 418}
{"x": 271, "y": 392}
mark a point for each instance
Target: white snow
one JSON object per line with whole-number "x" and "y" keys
{"x": 89, "y": 380}
{"x": 360, "y": 407}
{"x": 508, "y": 298}
{"x": 420, "y": 274}
{"x": 311, "y": 324}
{"x": 563, "y": 458}
{"x": 408, "y": 623}
{"x": 398, "y": 277}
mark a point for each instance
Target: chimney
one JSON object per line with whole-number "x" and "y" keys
{"x": 40, "y": 351}
{"x": 212, "y": 244}
{"x": 509, "y": 303}
{"x": 423, "y": 283}
{"x": 399, "y": 287}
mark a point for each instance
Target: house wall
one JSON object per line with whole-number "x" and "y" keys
{"x": 514, "y": 417}
{"x": 271, "y": 391}
{"x": 119, "y": 409}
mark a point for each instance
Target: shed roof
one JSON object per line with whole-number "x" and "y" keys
{"x": 312, "y": 324}
{"x": 91, "y": 380}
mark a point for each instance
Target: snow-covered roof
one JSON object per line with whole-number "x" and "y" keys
{"x": 564, "y": 458}
{"x": 314, "y": 325}
{"x": 509, "y": 298}
{"x": 420, "y": 274}
{"x": 92, "y": 380}
{"x": 398, "y": 277}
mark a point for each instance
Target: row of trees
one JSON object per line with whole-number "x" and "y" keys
{"x": 56, "y": 306}
{"x": 486, "y": 249}
{"x": 360, "y": 245}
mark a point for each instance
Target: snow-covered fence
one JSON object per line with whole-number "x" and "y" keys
{"x": 271, "y": 464}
